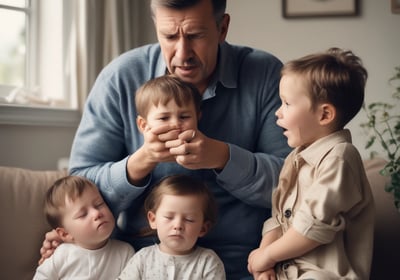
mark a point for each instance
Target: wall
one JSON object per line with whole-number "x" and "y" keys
{"x": 373, "y": 35}
{"x": 34, "y": 146}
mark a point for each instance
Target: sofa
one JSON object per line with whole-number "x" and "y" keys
{"x": 24, "y": 225}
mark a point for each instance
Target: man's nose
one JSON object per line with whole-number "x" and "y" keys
{"x": 183, "y": 49}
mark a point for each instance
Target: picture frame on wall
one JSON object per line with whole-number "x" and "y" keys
{"x": 395, "y": 4}
{"x": 320, "y": 8}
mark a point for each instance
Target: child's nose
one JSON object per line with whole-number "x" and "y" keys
{"x": 97, "y": 214}
{"x": 278, "y": 113}
{"x": 175, "y": 121}
{"x": 178, "y": 224}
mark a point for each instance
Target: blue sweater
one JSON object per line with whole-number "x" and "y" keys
{"x": 238, "y": 108}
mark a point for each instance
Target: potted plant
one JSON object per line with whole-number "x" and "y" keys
{"x": 383, "y": 128}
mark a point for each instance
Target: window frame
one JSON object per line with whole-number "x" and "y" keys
{"x": 33, "y": 114}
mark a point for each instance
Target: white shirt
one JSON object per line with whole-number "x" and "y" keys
{"x": 150, "y": 263}
{"x": 70, "y": 261}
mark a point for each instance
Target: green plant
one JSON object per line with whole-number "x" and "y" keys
{"x": 383, "y": 127}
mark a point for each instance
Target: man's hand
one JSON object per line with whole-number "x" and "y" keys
{"x": 152, "y": 152}
{"x": 155, "y": 142}
{"x": 193, "y": 150}
{"x": 50, "y": 243}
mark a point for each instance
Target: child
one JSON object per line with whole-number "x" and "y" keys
{"x": 78, "y": 213}
{"x": 322, "y": 216}
{"x": 168, "y": 100}
{"x": 180, "y": 209}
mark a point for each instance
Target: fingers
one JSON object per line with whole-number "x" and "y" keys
{"x": 188, "y": 135}
{"x": 181, "y": 146}
{"x": 50, "y": 243}
{"x": 45, "y": 255}
{"x": 165, "y": 133}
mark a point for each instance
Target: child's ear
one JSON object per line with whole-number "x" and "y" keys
{"x": 64, "y": 235}
{"x": 205, "y": 228}
{"x": 328, "y": 114}
{"x": 151, "y": 217}
{"x": 141, "y": 123}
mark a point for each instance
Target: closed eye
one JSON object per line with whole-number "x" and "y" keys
{"x": 186, "y": 117}
{"x": 81, "y": 215}
{"x": 99, "y": 205}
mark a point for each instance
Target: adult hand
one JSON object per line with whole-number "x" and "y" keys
{"x": 193, "y": 150}
{"x": 51, "y": 242}
{"x": 152, "y": 152}
{"x": 155, "y": 142}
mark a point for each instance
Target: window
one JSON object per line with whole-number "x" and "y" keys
{"x": 15, "y": 33}
{"x": 31, "y": 58}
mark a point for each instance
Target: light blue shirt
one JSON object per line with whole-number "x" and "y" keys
{"x": 238, "y": 108}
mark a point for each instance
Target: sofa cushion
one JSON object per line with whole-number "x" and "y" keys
{"x": 21, "y": 213}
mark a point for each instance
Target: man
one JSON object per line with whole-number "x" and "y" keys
{"x": 238, "y": 149}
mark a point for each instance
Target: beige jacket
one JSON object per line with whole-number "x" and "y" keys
{"x": 324, "y": 194}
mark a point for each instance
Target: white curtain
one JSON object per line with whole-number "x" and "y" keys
{"x": 99, "y": 30}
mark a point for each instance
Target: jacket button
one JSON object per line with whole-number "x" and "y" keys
{"x": 288, "y": 213}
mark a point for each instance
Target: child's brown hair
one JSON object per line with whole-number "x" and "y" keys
{"x": 162, "y": 89}
{"x": 69, "y": 187}
{"x": 337, "y": 77}
{"x": 181, "y": 185}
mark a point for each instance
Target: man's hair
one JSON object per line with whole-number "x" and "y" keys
{"x": 336, "y": 77}
{"x": 219, "y": 6}
{"x": 163, "y": 89}
{"x": 182, "y": 185}
{"x": 69, "y": 187}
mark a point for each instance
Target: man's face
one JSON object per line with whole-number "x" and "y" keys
{"x": 189, "y": 40}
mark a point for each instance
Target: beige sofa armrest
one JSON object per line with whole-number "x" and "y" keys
{"x": 387, "y": 224}
{"x": 23, "y": 222}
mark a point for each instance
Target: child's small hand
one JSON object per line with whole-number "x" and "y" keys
{"x": 259, "y": 260}
{"x": 265, "y": 275}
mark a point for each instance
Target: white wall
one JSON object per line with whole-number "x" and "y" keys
{"x": 374, "y": 35}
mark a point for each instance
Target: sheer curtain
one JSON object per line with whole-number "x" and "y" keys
{"x": 98, "y": 31}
